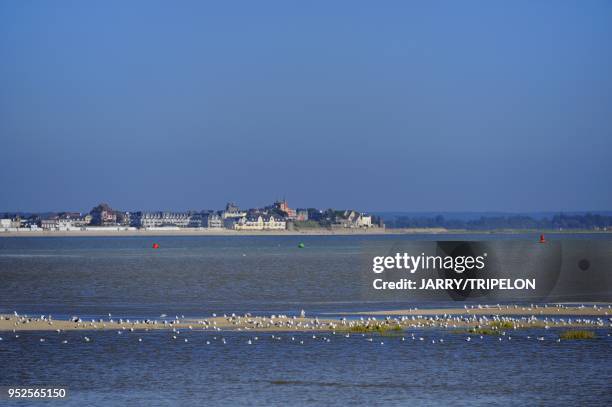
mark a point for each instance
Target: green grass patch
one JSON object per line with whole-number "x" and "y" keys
{"x": 502, "y": 325}
{"x": 577, "y": 334}
{"x": 379, "y": 328}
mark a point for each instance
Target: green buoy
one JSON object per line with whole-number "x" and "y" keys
{"x": 301, "y": 245}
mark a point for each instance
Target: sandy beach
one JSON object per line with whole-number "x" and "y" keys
{"x": 221, "y": 232}
{"x": 505, "y": 310}
{"x": 520, "y": 317}
{"x": 297, "y": 232}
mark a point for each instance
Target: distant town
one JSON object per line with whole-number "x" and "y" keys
{"x": 277, "y": 216}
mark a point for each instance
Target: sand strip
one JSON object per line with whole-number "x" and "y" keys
{"x": 498, "y": 318}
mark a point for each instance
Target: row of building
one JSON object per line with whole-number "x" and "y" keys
{"x": 278, "y": 216}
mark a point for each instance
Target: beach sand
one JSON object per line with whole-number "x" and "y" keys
{"x": 505, "y": 310}
{"x": 520, "y": 317}
{"x": 220, "y": 232}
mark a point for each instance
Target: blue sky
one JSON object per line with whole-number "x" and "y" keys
{"x": 416, "y": 106}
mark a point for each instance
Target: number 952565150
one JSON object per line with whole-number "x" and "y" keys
{"x": 35, "y": 392}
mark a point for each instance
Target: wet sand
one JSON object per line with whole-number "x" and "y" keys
{"x": 506, "y": 310}
{"x": 511, "y": 317}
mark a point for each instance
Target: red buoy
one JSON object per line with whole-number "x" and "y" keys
{"x": 542, "y": 240}
{"x": 156, "y": 245}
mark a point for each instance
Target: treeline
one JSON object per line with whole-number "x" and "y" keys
{"x": 558, "y": 222}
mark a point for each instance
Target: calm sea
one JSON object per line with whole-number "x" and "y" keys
{"x": 196, "y": 276}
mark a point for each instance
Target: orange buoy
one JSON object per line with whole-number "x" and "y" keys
{"x": 156, "y": 245}
{"x": 542, "y": 240}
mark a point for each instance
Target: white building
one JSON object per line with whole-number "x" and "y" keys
{"x": 66, "y": 221}
{"x": 257, "y": 223}
{"x": 364, "y": 221}
{"x": 50, "y": 224}
{"x": 232, "y": 212}
{"x": 161, "y": 219}
{"x": 9, "y": 225}
{"x": 62, "y": 224}
{"x": 212, "y": 220}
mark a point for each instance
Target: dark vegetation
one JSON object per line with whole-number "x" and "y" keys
{"x": 558, "y": 222}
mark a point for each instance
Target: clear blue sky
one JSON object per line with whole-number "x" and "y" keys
{"x": 417, "y": 106}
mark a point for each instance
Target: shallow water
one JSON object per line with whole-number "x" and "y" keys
{"x": 117, "y": 369}
{"x": 195, "y": 276}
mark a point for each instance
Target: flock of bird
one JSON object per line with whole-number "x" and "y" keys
{"x": 325, "y": 329}
{"x": 325, "y": 338}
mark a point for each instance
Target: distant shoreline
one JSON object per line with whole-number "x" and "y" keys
{"x": 215, "y": 232}
{"x": 302, "y": 232}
